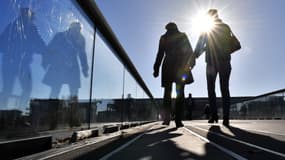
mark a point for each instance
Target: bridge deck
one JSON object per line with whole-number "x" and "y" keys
{"x": 245, "y": 139}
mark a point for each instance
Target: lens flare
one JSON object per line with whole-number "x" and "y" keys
{"x": 184, "y": 77}
{"x": 203, "y": 23}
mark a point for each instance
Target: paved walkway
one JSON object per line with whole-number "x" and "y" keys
{"x": 198, "y": 140}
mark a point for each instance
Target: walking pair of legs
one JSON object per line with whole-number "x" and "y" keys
{"x": 179, "y": 103}
{"x": 224, "y": 75}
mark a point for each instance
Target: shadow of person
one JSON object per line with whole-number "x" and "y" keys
{"x": 18, "y": 42}
{"x": 61, "y": 60}
{"x": 271, "y": 142}
{"x": 155, "y": 144}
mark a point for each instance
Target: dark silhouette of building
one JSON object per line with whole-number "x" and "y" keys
{"x": 49, "y": 114}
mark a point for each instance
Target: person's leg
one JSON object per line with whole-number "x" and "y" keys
{"x": 211, "y": 80}
{"x": 179, "y": 104}
{"x": 25, "y": 78}
{"x": 55, "y": 89}
{"x": 9, "y": 74}
{"x": 167, "y": 103}
{"x": 224, "y": 83}
{"x": 73, "y": 91}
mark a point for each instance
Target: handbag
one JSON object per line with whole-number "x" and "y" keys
{"x": 235, "y": 44}
{"x": 187, "y": 77}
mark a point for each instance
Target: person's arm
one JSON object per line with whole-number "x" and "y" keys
{"x": 83, "y": 57}
{"x": 201, "y": 45}
{"x": 159, "y": 57}
{"x": 39, "y": 45}
{"x": 189, "y": 59}
{"x": 191, "y": 56}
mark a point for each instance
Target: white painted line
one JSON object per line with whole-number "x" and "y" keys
{"x": 231, "y": 153}
{"x": 67, "y": 150}
{"x": 245, "y": 143}
{"x": 122, "y": 147}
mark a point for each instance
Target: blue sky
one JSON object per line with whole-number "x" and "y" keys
{"x": 259, "y": 24}
{"x": 138, "y": 24}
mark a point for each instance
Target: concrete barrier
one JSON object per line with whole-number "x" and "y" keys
{"x": 22, "y": 147}
{"x": 80, "y": 135}
{"x": 110, "y": 129}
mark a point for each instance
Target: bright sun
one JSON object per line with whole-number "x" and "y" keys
{"x": 202, "y": 23}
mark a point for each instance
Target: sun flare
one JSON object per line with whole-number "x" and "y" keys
{"x": 202, "y": 23}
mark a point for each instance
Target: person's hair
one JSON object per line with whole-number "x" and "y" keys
{"x": 76, "y": 25}
{"x": 213, "y": 13}
{"x": 26, "y": 12}
{"x": 171, "y": 26}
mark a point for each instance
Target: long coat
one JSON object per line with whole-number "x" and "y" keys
{"x": 61, "y": 60}
{"x": 215, "y": 44}
{"x": 175, "y": 50}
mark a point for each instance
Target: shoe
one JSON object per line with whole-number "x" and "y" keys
{"x": 179, "y": 124}
{"x": 166, "y": 123}
{"x": 226, "y": 122}
{"x": 213, "y": 119}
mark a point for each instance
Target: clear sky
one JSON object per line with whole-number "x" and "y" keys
{"x": 259, "y": 24}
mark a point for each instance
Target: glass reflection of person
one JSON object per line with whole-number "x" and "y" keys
{"x": 61, "y": 60}
{"x": 18, "y": 42}
{"x": 175, "y": 51}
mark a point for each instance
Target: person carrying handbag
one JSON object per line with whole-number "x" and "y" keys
{"x": 176, "y": 53}
{"x": 218, "y": 43}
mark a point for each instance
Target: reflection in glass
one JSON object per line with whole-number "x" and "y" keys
{"x": 18, "y": 42}
{"x": 45, "y": 49}
{"x": 61, "y": 60}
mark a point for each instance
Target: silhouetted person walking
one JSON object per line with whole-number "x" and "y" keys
{"x": 175, "y": 51}
{"x": 216, "y": 44}
{"x": 61, "y": 60}
{"x": 207, "y": 111}
{"x": 189, "y": 106}
{"x": 19, "y": 41}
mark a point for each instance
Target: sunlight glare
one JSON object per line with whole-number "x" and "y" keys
{"x": 202, "y": 23}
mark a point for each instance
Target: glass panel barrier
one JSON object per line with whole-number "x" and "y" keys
{"x": 108, "y": 85}
{"x": 270, "y": 106}
{"x": 45, "y": 60}
{"x": 47, "y": 85}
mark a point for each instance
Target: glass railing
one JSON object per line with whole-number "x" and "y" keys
{"x": 268, "y": 106}
{"x": 60, "y": 73}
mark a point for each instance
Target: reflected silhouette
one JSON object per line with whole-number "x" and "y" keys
{"x": 18, "y": 42}
{"x": 61, "y": 60}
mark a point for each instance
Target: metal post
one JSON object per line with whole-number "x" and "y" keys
{"x": 123, "y": 95}
{"x": 91, "y": 80}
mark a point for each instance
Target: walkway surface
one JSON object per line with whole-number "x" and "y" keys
{"x": 245, "y": 139}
